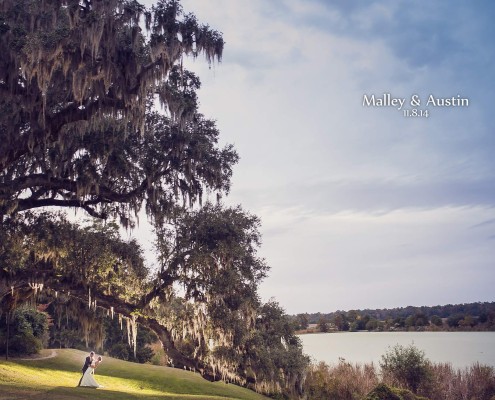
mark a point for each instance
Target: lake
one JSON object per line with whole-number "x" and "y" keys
{"x": 461, "y": 349}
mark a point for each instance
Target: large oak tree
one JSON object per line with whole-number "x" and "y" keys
{"x": 81, "y": 85}
{"x": 78, "y": 82}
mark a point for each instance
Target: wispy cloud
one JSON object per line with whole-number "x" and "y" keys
{"x": 361, "y": 206}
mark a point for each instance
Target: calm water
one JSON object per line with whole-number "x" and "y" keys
{"x": 461, "y": 349}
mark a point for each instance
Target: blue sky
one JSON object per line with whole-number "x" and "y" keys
{"x": 361, "y": 207}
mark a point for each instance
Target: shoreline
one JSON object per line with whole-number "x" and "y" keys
{"x": 314, "y": 331}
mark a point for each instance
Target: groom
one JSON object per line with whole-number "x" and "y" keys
{"x": 87, "y": 363}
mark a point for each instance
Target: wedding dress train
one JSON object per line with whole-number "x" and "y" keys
{"x": 88, "y": 379}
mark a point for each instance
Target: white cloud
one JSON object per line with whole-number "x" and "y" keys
{"x": 359, "y": 260}
{"x": 361, "y": 207}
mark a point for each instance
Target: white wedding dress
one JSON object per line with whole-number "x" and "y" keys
{"x": 88, "y": 379}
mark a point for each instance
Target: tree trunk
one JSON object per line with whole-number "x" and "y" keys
{"x": 7, "y": 316}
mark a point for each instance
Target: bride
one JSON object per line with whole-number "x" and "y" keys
{"x": 88, "y": 379}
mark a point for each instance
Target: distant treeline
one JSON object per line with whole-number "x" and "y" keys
{"x": 472, "y": 316}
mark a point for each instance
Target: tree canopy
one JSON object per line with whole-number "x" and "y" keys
{"x": 98, "y": 113}
{"x": 78, "y": 81}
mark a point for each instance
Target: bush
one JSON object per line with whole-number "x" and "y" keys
{"x": 25, "y": 344}
{"x": 475, "y": 382}
{"x": 120, "y": 350}
{"x": 407, "y": 366}
{"x": 28, "y": 332}
{"x": 384, "y": 392}
{"x": 343, "y": 381}
{"x": 401, "y": 366}
{"x": 144, "y": 354}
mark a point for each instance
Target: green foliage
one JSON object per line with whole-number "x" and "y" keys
{"x": 373, "y": 325}
{"x": 384, "y": 392}
{"x": 340, "y": 321}
{"x": 323, "y": 325}
{"x": 274, "y": 353}
{"x": 344, "y": 381}
{"x": 300, "y": 321}
{"x": 78, "y": 90}
{"x": 436, "y": 320}
{"x": 454, "y": 320}
{"x": 117, "y": 345}
{"x": 83, "y": 135}
{"x": 469, "y": 316}
{"x": 211, "y": 253}
{"x": 24, "y": 344}
{"x": 362, "y": 321}
{"x": 120, "y": 351}
{"x": 27, "y": 331}
{"x": 408, "y": 366}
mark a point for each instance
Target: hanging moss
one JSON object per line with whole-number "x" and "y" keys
{"x": 72, "y": 69}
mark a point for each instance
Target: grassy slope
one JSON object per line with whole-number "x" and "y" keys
{"x": 56, "y": 378}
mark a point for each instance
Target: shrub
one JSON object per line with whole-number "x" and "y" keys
{"x": 119, "y": 350}
{"x": 144, "y": 354}
{"x": 475, "y": 382}
{"x": 407, "y": 366}
{"x": 384, "y": 392}
{"x": 24, "y": 344}
{"x": 343, "y": 381}
{"x": 28, "y": 331}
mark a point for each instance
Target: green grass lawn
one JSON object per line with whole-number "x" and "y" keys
{"x": 56, "y": 378}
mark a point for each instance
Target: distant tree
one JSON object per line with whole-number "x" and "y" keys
{"x": 352, "y": 315}
{"x": 436, "y": 320}
{"x": 420, "y": 319}
{"x": 467, "y": 322}
{"x": 301, "y": 321}
{"x": 410, "y": 321}
{"x": 482, "y": 313}
{"x": 399, "y": 322}
{"x": 491, "y": 319}
{"x": 361, "y": 322}
{"x": 453, "y": 320}
{"x": 372, "y": 325}
{"x": 323, "y": 325}
{"x": 340, "y": 321}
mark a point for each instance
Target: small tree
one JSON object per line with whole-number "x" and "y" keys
{"x": 407, "y": 366}
{"x": 323, "y": 325}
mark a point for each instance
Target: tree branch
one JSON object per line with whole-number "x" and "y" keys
{"x": 126, "y": 309}
{"x": 27, "y": 204}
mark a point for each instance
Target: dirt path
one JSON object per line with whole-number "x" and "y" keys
{"x": 51, "y": 355}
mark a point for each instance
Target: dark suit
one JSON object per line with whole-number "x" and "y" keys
{"x": 86, "y": 365}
